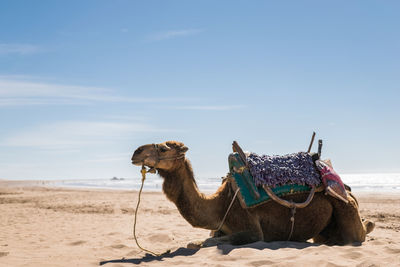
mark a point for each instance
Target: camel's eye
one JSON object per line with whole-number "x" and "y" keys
{"x": 163, "y": 149}
{"x": 139, "y": 150}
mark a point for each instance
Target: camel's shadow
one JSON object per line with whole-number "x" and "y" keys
{"x": 260, "y": 245}
{"x": 149, "y": 258}
{"x": 224, "y": 250}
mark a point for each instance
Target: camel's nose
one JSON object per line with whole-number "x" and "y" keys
{"x": 138, "y": 151}
{"x": 135, "y": 155}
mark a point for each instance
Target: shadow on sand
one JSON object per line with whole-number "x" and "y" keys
{"x": 260, "y": 245}
{"x": 149, "y": 258}
{"x": 224, "y": 250}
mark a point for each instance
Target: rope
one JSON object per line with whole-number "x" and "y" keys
{"x": 143, "y": 171}
{"x": 290, "y": 204}
{"x": 152, "y": 170}
{"x": 293, "y": 210}
{"x": 227, "y": 211}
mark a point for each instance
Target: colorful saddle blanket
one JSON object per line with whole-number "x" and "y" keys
{"x": 272, "y": 171}
{"x": 252, "y": 195}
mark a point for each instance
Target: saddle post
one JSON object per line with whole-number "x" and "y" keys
{"x": 319, "y": 148}
{"x": 238, "y": 149}
{"x": 311, "y": 143}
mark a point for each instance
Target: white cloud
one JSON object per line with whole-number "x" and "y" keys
{"x": 22, "y": 88}
{"x": 36, "y": 101}
{"x": 172, "y": 34}
{"x": 21, "y": 49}
{"x": 26, "y": 90}
{"x": 14, "y": 92}
{"x": 77, "y": 134}
{"x": 104, "y": 158}
{"x": 216, "y": 108}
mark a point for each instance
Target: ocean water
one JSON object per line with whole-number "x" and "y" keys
{"x": 373, "y": 182}
{"x": 151, "y": 184}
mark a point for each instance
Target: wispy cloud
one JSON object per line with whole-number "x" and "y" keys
{"x": 14, "y": 92}
{"x": 172, "y": 34}
{"x": 104, "y": 158}
{"x": 30, "y": 91}
{"x": 211, "y": 108}
{"x": 20, "y": 49}
{"x": 77, "y": 134}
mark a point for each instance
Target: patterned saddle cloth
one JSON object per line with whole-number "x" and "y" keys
{"x": 297, "y": 168}
{"x": 285, "y": 175}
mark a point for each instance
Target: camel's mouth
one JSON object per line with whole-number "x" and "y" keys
{"x": 137, "y": 162}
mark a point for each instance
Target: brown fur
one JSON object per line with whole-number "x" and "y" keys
{"x": 326, "y": 219}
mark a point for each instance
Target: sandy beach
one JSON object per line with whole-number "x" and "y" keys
{"x": 47, "y": 226}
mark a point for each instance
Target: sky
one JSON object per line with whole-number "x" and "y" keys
{"x": 84, "y": 83}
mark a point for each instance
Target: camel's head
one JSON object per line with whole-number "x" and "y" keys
{"x": 160, "y": 156}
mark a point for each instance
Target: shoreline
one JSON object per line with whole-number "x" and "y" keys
{"x": 156, "y": 186}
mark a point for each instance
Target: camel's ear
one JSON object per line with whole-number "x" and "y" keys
{"x": 180, "y": 147}
{"x": 164, "y": 147}
{"x": 183, "y": 149}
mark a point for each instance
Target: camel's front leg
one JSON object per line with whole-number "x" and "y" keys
{"x": 240, "y": 238}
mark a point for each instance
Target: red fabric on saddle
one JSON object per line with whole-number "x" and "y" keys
{"x": 331, "y": 180}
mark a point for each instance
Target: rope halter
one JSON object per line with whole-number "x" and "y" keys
{"x": 158, "y": 159}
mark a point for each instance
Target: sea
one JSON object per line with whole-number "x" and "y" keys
{"x": 372, "y": 182}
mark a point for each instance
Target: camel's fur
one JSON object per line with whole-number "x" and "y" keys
{"x": 326, "y": 219}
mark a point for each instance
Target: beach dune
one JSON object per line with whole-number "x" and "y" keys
{"x": 47, "y": 226}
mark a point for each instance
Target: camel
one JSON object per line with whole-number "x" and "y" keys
{"x": 326, "y": 220}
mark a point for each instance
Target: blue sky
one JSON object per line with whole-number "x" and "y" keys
{"x": 83, "y": 83}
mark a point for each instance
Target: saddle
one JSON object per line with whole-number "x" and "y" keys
{"x": 256, "y": 188}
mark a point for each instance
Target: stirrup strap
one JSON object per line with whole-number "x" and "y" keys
{"x": 289, "y": 204}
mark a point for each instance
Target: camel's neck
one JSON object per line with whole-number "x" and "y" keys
{"x": 199, "y": 210}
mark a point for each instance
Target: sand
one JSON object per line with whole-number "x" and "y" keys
{"x": 46, "y": 226}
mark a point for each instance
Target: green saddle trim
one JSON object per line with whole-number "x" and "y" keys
{"x": 248, "y": 190}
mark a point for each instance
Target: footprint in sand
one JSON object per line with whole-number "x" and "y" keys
{"x": 353, "y": 255}
{"x": 377, "y": 242}
{"x": 119, "y": 246}
{"x": 77, "y": 243}
{"x": 112, "y": 233}
{"x": 3, "y": 254}
{"x": 391, "y": 250}
{"x": 261, "y": 263}
{"x": 159, "y": 238}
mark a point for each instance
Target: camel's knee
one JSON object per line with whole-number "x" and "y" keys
{"x": 214, "y": 233}
{"x": 320, "y": 239}
{"x": 243, "y": 238}
{"x": 209, "y": 242}
{"x": 240, "y": 238}
{"x": 195, "y": 244}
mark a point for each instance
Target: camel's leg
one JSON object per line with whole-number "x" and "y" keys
{"x": 347, "y": 226}
{"x": 214, "y": 233}
{"x": 237, "y": 239}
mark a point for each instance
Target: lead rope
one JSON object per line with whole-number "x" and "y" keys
{"x": 293, "y": 211}
{"x": 143, "y": 171}
{"x": 226, "y": 213}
